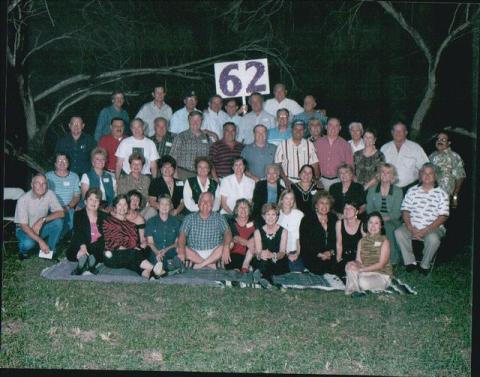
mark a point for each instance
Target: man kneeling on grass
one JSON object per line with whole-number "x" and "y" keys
{"x": 204, "y": 235}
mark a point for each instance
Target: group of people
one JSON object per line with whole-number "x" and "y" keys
{"x": 273, "y": 190}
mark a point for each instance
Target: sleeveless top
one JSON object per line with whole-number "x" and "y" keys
{"x": 370, "y": 252}
{"x": 271, "y": 243}
{"x": 94, "y": 182}
{"x": 350, "y": 242}
{"x": 196, "y": 189}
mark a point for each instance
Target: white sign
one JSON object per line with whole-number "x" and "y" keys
{"x": 242, "y": 78}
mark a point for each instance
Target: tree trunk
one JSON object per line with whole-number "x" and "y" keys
{"x": 424, "y": 105}
{"x": 28, "y": 106}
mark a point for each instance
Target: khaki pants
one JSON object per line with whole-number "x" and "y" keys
{"x": 431, "y": 244}
{"x": 363, "y": 281}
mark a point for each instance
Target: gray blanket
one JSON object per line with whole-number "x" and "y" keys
{"x": 214, "y": 278}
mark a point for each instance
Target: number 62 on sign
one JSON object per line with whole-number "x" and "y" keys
{"x": 241, "y": 78}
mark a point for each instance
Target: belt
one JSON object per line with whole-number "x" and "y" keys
{"x": 329, "y": 177}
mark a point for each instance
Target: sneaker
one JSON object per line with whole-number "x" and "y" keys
{"x": 423, "y": 271}
{"x": 86, "y": 273}
{"x": 410, "y": 267}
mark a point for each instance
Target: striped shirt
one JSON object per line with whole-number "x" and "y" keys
{"x": 293, "y": 157}
{"x": 222, "y": 156}
{"x": 425, "y": 206}
{"x": 64, "y": 187}
{"x": 119, "y": 233}
{"x": 204, "y": 234}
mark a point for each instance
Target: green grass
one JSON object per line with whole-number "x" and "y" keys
{"x": 72, "y": 324}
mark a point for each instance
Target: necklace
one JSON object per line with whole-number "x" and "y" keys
{"x": 270, "y": 236}
{"x": 305, "y": 194}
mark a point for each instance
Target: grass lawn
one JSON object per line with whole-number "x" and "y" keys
{"x": 72, "y": 324}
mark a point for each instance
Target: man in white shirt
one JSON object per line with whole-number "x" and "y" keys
{"x": 214, "y": 118}
{"x": 179, "y": 121}
{"x": 425, "y": 209}
{"x": 232, "y": 110}
{"x": 295, "y": 152}
{"x": 280, "y": 101}
{"x": 406, "y": 155}
{"x": 154, "y": 109}
{"x": 140, "y": 144}
{"x": 257, "y": 116}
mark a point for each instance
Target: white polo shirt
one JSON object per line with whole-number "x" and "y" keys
{"x": 425, "y": 206}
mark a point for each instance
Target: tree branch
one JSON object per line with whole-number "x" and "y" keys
{"x": 36, "y": 48}
{"x": 389, "y": 8}
{"x": 13, "y": 5}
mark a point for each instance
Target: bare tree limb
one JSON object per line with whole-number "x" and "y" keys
{"x": 387, "y": 5}
{"x": 37, "y": 48}
{"x": 453, "y": 18}
{"x": 13, "y": 5}
{"x": 48, "y": 12}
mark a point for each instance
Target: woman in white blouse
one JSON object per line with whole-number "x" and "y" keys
{"x": 290, "y": 218}
{"x": 236, "y": 186}
{"x": 194, "y": 186}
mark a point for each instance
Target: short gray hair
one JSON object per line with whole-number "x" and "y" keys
{"x": 355, "y": 124}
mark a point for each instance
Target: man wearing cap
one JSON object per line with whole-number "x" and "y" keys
{"x": 257, "y": 116}
{"x": 214, "y": 118}
{"x": 179, "y": 121}
{"x": 310, "y": 113}
{"x": 280, "y": 101}
{"x": 154, "y": 109}
{"x": 295, "y": 152}
{"x": 189, "y": 145}
{"x": 332, "y": 151}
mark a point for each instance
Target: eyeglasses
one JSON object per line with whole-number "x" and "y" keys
{"x": 442, "y": 139}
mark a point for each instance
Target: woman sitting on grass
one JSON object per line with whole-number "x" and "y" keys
{"x": 122, "y": 244}
{"x": 371, "y": 270}
{"x": 290, "y": 218}
{"x": 242, "y": 247}
{"x": 134, "y": 215}
{"x": 317, "y": 236}
{"x": 87, "y": 242}
{"x": 349, "y": 232}
{"x": 271, "y": 244}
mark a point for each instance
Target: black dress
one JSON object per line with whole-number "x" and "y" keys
{"x": 304, "y": 198}
{"x": 272, "y": 243}
{"x": 349, "y": 246}
{"x": 315, "y": 239}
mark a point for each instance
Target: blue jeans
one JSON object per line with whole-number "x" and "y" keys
{"x": 50, "y": 232}
{"x": 67, "y": 222}
{"x": 296, "y": 266}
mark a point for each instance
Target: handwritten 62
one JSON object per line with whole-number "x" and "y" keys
{"x": 242, "y": 78}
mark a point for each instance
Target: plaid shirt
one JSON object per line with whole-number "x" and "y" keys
{"x": 204, "y": 234}
{"x": 164, "y": 146}
{"x": 186, "y": 147}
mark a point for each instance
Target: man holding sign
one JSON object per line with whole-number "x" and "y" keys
{"x": 240, "y": 79}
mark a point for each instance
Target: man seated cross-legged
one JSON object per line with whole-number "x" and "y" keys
{"x": 204, "y": 235}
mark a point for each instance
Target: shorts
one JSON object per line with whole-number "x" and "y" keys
{"x": 205, "y": 253}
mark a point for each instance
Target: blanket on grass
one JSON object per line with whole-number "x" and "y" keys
{"x": 208, "y": 277}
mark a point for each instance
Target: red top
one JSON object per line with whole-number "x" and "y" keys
{"x": 330, "y": 157}
{"x": 245, "y": 233}
{"x": 94, "y": 233}
{"x": 119, "y": 233}
{"x": 110, "y": 144}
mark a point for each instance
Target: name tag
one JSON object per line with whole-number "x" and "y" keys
{"x": 106, "y": 180}
{"x": 168, "y": 144}
{"x": 314, "y": 192}
{"x": 179, "y": 183}
{"x": 249, "y": 225}
{"x": 66, "y": 183}
{"x": 82, "y": 146}
{"x": 204, "y": 141}
{"x": 377, "y": 243}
